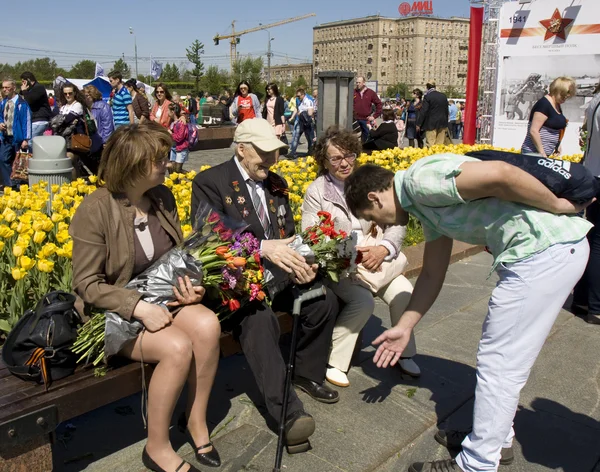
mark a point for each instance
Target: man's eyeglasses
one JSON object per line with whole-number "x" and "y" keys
{"x": 336, "y": 161}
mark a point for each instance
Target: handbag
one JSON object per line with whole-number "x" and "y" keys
{"x": 20, "y": 167}
{"x": 38, "y": 348}
{"x": 388, "y": 271}
{"x": 82, "y": 142}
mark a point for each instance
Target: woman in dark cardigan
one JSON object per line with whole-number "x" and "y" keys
{"x": 385, "y": 136}
{"x": 274, "y": 109}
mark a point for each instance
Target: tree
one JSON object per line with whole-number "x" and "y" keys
{"x": 249, "y": 69}
{"x": 43, "y": 69}
{"x": 170, "y": 73}
{"x": 85, "y": 69}
{"x": 193, "y": 54}
{"x": 299, "y": 82}
{"x": 122, "y": 67}
{"x": 214, "y": 81}
{"x": 452, "y": 92}
{"x": 397, "y": 89}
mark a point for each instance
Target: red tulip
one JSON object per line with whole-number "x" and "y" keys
{"x": 234, "y": 305}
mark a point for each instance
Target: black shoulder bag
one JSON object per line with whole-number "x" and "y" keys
{"x": 39, "y": 346}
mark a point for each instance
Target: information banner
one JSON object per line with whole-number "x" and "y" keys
{"x": 540, "y": 41}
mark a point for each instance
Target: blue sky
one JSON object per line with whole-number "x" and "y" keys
{"x": 165, "y": 29}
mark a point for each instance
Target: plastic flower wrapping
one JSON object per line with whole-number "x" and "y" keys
{"x": 218, "y": 255}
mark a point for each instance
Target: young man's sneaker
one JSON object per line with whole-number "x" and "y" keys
{"x": 453, "y": 440}
{"x": 409, "y": 367}
{"x": 446, "y": 465}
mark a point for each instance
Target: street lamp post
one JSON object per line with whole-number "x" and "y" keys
{"x": 135, "y": 50}
{"x": 269, "y": 54}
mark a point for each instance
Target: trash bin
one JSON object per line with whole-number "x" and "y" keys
{"x": 49, "y": 162}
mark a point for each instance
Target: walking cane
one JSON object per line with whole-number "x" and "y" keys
{"x": 311, "y": 294}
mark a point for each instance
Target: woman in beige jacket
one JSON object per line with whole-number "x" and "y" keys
{"x": 380, "y": 274}
{"x": 120, "y": 230}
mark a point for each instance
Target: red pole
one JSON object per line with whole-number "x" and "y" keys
{"x": 473, "y": 66}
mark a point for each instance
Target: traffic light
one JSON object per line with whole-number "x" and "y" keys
{"x": 216, "y": 40}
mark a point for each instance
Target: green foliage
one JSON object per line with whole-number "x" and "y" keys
{"x": 122, "y": 67}
{"x": 170, "y": 73}
{"x": 43, "y": 69}
{"x": 85, "y": 69}
{"x": 399, "y": 88}
{"x": 214, "y": 81}
{"x": 193, "y": 54}
{"x": 452, "y": 92}
{"x": 291, "y": 90}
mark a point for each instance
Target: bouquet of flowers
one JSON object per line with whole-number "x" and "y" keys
{"x": 218, "y": 255}
{"x": 333, "y": 250}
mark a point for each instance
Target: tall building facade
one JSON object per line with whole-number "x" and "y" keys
{"x": 409, "y": 50}
{"x": 284, "y": 73}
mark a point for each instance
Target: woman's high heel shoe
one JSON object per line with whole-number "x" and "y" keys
{"x": 211, "y": 458}
{"x": 150, "y": 464}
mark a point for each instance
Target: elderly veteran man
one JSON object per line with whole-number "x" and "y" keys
{"x": 540, "y": 251}
{"x": 244, "y": 188}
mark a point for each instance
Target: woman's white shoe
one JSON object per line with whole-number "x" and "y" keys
{"x": 409, "y": 367}
{"x": 337, "y": 377}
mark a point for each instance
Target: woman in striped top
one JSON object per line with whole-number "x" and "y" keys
{"x": 547, "y": 123}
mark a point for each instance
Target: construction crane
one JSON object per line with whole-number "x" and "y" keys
{"x": 235, "y": 35}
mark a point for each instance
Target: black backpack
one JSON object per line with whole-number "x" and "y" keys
{"x": 38, "y": 348}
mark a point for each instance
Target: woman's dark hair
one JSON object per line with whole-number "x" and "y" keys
{"x": 272, "y": 86}
{"x": 175, "y": 108}
{"x": 388, "y": 114}
{"x": 133, "y": 84}
{"x": 77, "y": 94}
{"x": 243, "y": 82}
{"x": 168, "y": 95}
{"x": 340, "y": 138}
{"x": 418, "y": 93}
{"x": 366, "y": 179}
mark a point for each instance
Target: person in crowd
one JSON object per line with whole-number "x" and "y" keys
{"x": 384, "y": 136}
{"x": 245, "y": 104}
{"x": 224, "y": 103}
{"x": 101, "y": 111}
{"x": 36, "y": 96}
{"x": 74, "y": 119}
{"x": 15, "y": 128}
{"x": 160, "y": 110}
{"x": 586, "y": 298}
{"x": 139, "y": 102}
{"x": 452, "y": 119}
{"x": 305, "y": 110}
{"x": 335, "y": 153}
{"x": 181, "y": 338}
{"x": 179, "y": 132}
{"x": 192, "y": 107}
{"x": 244, "y": 189}
{"x": 547, "y": 123}
{"x": 510, "y": 211}
{"x": 412, "y": 113}
{"x": 460, "y": 120}
{"x": 201, "y": 99}
{"x": 142, "y": 90}
{"x": 364, "y": 101}
{"x": 121, "y": 101}
{"x": 433, "y": 116}
{"x": 400, "y": 121}
{"x": 274, "y": 109}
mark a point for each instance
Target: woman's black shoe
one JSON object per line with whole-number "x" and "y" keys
{"x": 211, "y": 458}
{"x": 150, "y": 464}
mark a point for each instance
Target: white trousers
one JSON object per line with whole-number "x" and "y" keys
{"x": 359, "y": 306}
{"x": 521, "y": 312}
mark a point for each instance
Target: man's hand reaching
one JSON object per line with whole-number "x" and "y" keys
{"x": 279, "y": 253}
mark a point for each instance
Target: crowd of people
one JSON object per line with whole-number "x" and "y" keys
{"x": 135, "y": 140}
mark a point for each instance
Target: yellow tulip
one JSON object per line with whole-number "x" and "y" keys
{"x": 38, "y": 237}
{"x": 9, "y": 215}
{"x": 47, "y": 250}
{"x": 54, "y": 188}
{"x": 6, "y": 232}
{"x": 37, "y": 225}
{"x": 18, "y": 273}
{"x": 44, "y": 265}
{"x": 1, "y": 246}
{"x": 62, "y": 236}
{"x": 18, "y": 250}
{"x": 26, "y": 262}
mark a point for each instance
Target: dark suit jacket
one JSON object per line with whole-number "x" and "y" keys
{"x": 434, "y": 112}
{"x": 225, "y": 190}
{"x": 385, "y": 136}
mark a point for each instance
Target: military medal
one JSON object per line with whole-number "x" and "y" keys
{"x": 241, "y": 200}
{"x": 245, "y": 213}
{"x": 236, "y": 185}
{"x": 228, "y": 200}
{"x": 271, "y": 206}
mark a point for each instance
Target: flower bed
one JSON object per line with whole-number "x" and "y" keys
{"x": 35, "y": 247}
